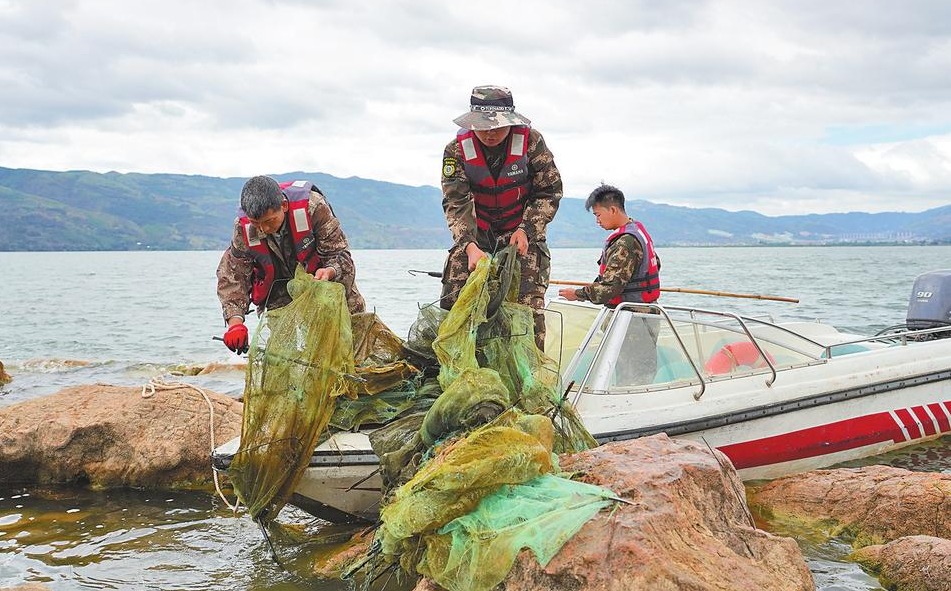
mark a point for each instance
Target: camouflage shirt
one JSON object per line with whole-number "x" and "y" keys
{"x": 234, "y": 270}
{"x": 540, "y": 205}
{"x": 622, "y": 258}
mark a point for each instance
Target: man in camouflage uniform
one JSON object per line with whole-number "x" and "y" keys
{"x": 629, "y": 272}
{"x": 500, "y": 186}
{"x": 263, "y": 254}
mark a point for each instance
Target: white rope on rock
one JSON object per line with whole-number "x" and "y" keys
{"x": 154, "y": 384}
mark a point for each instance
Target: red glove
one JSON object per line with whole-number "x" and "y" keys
{"x": 236, "y": 338}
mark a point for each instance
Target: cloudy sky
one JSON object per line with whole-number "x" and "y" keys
{"x": 806, "y": 106}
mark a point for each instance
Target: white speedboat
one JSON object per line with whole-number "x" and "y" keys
{"x": 776, "y": 398}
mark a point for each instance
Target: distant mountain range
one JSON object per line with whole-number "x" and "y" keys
{"x": 81, "y": 210}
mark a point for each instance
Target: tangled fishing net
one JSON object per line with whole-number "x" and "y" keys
{"x": 465, "y": 416}
{"x": 484, "y": 481}
{"x": 298, "y": 363}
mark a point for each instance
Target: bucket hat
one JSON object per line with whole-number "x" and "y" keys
{"x": 491, "y": 107}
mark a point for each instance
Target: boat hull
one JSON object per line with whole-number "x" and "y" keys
{"x": 340, "y": 492}
{"x": 769, "y": 422}
{"x": 827, "y": 434}
{"x": 806, "y": 435}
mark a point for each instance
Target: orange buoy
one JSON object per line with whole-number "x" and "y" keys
{"x": 734, "y": 355}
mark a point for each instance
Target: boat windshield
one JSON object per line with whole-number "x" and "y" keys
{"x": 652, "y": 348}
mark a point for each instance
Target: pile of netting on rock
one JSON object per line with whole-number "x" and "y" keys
{"x": 466, "y": 417}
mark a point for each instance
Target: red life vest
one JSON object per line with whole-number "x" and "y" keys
{"x": 644, "y": 286}
{"x": 498, "y": 202}
{"x": 302, "y": 235}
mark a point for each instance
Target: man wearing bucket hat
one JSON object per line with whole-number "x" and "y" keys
{"x": 500, "y": 186}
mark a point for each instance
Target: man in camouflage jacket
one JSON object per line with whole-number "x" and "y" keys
{"x": 500, "y": 186}
{"x": 265, "y": 206}
{"x": 629, "y": 272}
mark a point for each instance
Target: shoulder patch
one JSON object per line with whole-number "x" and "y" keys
{"x": 448, "y": 166}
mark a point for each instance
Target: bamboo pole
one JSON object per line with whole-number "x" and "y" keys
{"x": 725, "y": 294}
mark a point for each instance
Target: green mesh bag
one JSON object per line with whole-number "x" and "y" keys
{"x": 453, "y": 482}
{"x": 388, "y": 386}
{"x": 487, "y": 329}
{"x": 475, "y": 552}
{"x": 475, "y": 398}
{"x": 468, "y": 512}
{"x": 487, "y": 483}
{"x": 378, "y": 356}
{"x": 300, "y": 360}
{"x": 374, "y": 344}
{"x": 352, "y": 414}
{"x": 398, "y": 443}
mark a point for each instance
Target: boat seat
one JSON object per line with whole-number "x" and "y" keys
{"x": 671, "y": 366}
{"x": 847, "y": 349}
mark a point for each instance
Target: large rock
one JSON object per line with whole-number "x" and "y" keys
{"x": 914, "y": 563}
{"x": 874, "y": 504}
{"x": 114, "y": 436}
{"x": 344, "y": 556}
{"x": 687, "y": 528}
{"x": 4, "y": 376}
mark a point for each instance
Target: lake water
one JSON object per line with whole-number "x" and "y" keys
{"x": 126, "y": 317}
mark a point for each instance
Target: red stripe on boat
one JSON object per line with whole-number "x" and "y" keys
{"x": 939, "y": 414}
{"x": 914, "y": 432}
{"x": 816, "y": 441}
{"x": 926, "y": 421}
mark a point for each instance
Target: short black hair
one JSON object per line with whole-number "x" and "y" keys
{"x": 605, "y": 196}
{"x": 260, "y": 195}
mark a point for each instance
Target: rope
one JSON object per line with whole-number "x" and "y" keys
{"x": 154, "y": 384}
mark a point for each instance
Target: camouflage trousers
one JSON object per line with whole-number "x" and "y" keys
{"x": 534, "y": 269}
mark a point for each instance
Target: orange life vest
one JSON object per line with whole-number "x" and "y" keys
{"x": 499, "y": 202}
{"x": 644, "y": 286}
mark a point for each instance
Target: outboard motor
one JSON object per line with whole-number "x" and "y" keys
{"x": 930, "y": 303}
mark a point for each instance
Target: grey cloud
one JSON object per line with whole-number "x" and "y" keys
{"x": 76, "y": 68}
{"x": 876, "y": 18}
{"x": 737, "y": 97}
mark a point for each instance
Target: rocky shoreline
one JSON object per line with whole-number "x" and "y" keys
{"x": 898, "y": 521}
{"x": 684, "y": 521}
{"x": 109, "y": 436}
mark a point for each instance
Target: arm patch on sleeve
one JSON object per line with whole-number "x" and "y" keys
{"x": 448, "y": 166}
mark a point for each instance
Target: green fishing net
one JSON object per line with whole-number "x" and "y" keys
{"x": 452, "y": 483}
{"x": 476, "y": 397}
{"x": 467, "y": 513}
{"x": 487, "y": 329}
{"x": 313, "y": 369}
{"x": 388, "y": 386}
{"x": 467, "y": 457}
{"x": 487, "y": 483}
{"x": 374, "y": 344}
{"x": 476, "y": 551}
{"x": 300, "y": 360}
